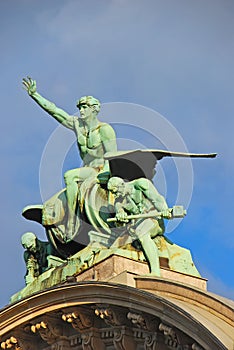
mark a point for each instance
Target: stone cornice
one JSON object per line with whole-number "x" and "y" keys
{"x": 95, "y": 293}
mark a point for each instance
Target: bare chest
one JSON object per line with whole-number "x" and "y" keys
{"x": 89, "y": 138}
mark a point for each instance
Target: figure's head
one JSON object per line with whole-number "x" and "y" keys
{"x": 116, "y": 185}
{"x": 29, "y": 241}
{"x": 88, "y": 105}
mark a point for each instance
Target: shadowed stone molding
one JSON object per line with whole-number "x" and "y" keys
{"x": 98, "y": 315}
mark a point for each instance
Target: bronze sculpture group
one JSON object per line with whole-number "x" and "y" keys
{"x": 94, "y": 197}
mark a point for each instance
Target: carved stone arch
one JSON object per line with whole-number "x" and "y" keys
{"x": 176, "y": 312}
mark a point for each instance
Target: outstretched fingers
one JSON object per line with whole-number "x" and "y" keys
{"x": 29, "y": 84}
{"x": 25, "y": 83}
{"x": 31, "y": 81}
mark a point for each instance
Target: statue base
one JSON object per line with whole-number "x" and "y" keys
{"x": 118, "y": 264}
{"x": 122, "y": 270}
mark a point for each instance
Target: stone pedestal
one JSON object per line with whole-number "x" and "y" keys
{"x": 134, "y": 273}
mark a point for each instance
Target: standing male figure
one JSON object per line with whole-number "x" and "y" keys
{"x": 139, "y": 197}
{"x": 94, "y": 139}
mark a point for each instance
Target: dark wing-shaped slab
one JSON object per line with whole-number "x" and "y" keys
{"x": 134, "y": 164}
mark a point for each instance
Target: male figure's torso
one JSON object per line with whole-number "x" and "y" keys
{"x": 90, "y": 143}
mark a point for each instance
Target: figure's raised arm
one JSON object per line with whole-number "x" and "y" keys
{"x": 60, "y": 115}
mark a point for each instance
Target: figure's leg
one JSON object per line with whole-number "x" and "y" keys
{"x": 151, "y": 254}
{"x": 71, "y": 178}
{"x": 144, "y": 231}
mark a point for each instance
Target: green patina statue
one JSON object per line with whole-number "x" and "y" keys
{"x": 36, "y": 255}
{"x": 94, "y": 139}
{"x": 139, "y": 197}
{"x": 135, "y": 227}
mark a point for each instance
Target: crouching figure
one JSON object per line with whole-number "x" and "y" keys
{"x": 135, "y": 203}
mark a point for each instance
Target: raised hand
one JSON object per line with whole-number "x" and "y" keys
{"x": 29, "y": 85}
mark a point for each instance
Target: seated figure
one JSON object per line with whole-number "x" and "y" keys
{"x": 94, "y": 139}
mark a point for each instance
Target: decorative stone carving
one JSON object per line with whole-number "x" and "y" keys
{"x": 50, "y": 329}
{"x": 144, "y": 322}
{"x": 137, "y": 320}
{"x": 107, "y": 315}
{"x": 11, "y": 343}
{"x": 38, "y": 326}
{"x": 171, "y": 338}
{"x": 123, "y": 339}
{"x": 80, "y": 319}
{"x": 20, "y": 340}
{"x": 112, "y": 316}
{"x": 92, "y": 341}
{"x": 75, "y": 341}
{"x": 150, "y": 341}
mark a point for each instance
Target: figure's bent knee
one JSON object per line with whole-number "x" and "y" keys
{"x": 71, "y": 176}
{"x": 79, "y": 174}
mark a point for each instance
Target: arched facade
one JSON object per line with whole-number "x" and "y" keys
{"x": 156, "y": 314}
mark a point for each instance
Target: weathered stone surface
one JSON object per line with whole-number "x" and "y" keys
{"x": 114, "y": 316}
{"x": 94, "y": 263}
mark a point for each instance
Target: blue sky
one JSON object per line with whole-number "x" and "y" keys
{"x": 173, "y": 57}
